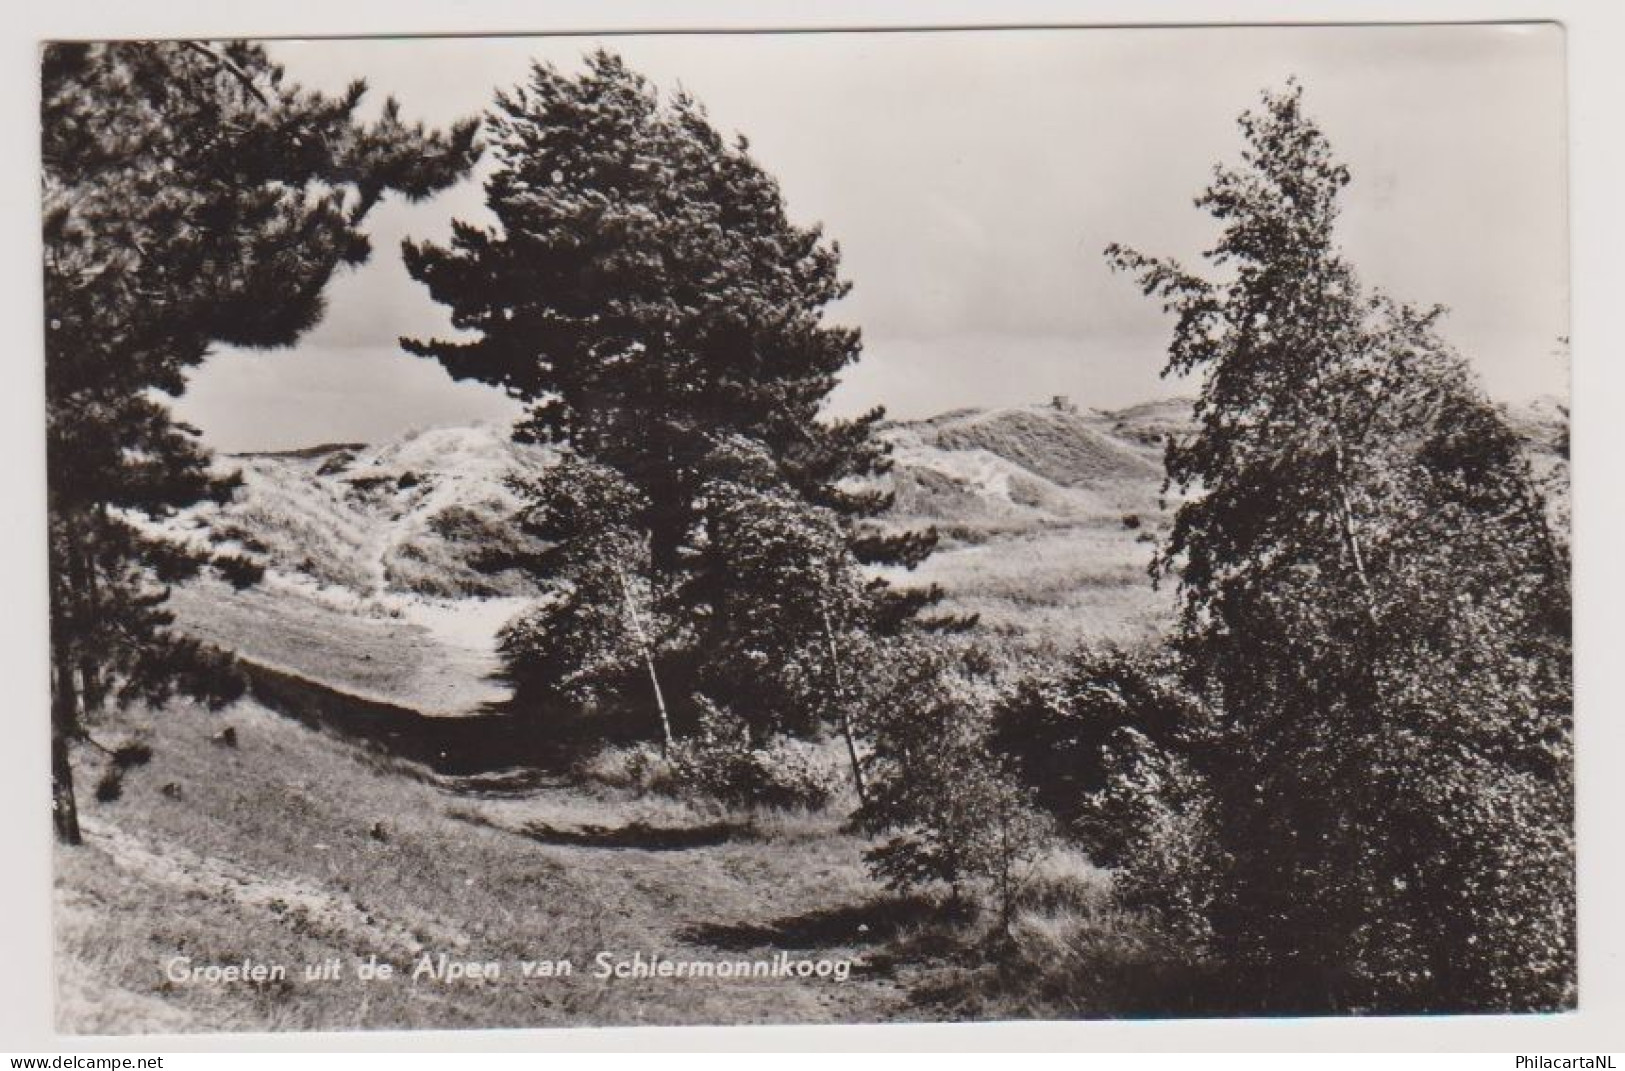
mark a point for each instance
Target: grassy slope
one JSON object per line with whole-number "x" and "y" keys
{"x": 269, "y": 853}
{"x": 1047, "y": 519}
{"x": 374, "y": 655}
{"x": 408, "y": 516}
{"x": 1030, "y": 501}
{"x": 269, "y": 850}
{"x": 1056, "y": 586}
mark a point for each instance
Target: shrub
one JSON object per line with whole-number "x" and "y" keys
{"x": 957, "y": 813}
{"x": 1151, "y": 821}
{"x": 1105, "y": 743}
{"x": 638, "y": 767}
{"x": 720, "y": 763}
{"x": 1055, "y": 724}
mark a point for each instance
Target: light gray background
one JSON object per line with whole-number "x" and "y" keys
{"x": 972, "y": 180}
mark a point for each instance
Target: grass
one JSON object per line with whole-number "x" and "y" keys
{"x": 1070, "y": 953}
{"x": 361, "y": 648}
{"x": 294, "y": 847}
{"x": 1032, "y": 506}
{"x": 1056, "y": 587}
{"x": 1067, "y": 448}
{"x": 423, "y": 514}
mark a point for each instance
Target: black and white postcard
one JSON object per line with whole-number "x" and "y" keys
{"x": 815, "y": 527}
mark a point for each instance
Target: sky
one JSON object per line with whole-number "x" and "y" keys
{"x": 972, "y": 179}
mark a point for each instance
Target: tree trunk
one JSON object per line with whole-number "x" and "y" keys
{"x": 1346, "y": 519}
{"x": 64, "y": 705}
{"x": 91, "y": 690}
{"x": 845, "y": 713}
{"x": 647, "y": 646}
{"x": 64, "y": 719}
{"x": 660, "y": 704}
{"x": 64, "y": 808}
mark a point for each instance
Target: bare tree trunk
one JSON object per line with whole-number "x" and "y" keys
{"x": 1346, "y": 519}
{"x": 660, "y": 704}
{"x": 844, "y": 711}
{"x": 91, "y": 690}
{"x": 64, "y": 720}
{"x": 64, "y": 808}
{"x": 65, "y": 698}
{"x": 647, "y": 647}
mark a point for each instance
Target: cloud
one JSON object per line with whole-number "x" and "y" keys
{"x": 973, "y": 178}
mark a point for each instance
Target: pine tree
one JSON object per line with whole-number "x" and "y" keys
{"x": 645, "y": 293}
{"x": 1378, "y": 613}
{"x": 191, "y": 197}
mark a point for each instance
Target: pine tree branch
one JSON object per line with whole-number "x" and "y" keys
{"x": 231, "y": 68}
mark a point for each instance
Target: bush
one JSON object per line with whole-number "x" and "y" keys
{"x": 719, "y": 763}
{"x": 1055, "y": 725}
{"x": 639, "y": 768}
{"x": 957, "y": 812}
{"x": 1104, "y": 744}
{"x": 1152, "y": 823}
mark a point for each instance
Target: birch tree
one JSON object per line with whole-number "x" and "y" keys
{"x": 1374, "y": 605}
{"x": 601, "y": 623}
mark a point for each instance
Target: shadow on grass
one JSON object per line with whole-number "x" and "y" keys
{"x": 495, "y": 750}
{"x": 634, "y": 836}
{"x": 872, "y": 922}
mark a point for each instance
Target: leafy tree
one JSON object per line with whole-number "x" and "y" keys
{"x": 191, "y": 197}
{"x": 790, "y": 612}
{"x": 1057, "y": 726}
{"x": 773, "y": 609}
{"x": 603, "y": 620}
{"x": 645, "y": 293}
{"x": 956, "y": 810}
{"x": 1377, "y": 612}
